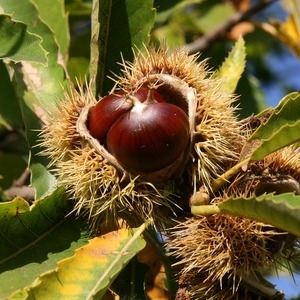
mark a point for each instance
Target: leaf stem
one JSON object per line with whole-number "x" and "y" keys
{"x": 205, "y": 210}
{"x": 220, "y": 181}
{"x": 202, "y": 197}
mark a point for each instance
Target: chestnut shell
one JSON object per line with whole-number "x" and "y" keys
{"x": 105, "y": 113}
{"x": 142, "y": 131}
{"x": 150, "y": 138}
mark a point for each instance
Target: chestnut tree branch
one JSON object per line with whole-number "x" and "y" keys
{"x": 204, "y": 41}
{"x": 20, "y": 188}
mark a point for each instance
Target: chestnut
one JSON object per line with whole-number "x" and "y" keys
{"x": 142, "y": 131}
{"x": 103, "y": 115}
{"x": 144, "y": 94}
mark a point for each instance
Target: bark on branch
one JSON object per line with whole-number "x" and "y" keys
{"x": 204, "y": 41}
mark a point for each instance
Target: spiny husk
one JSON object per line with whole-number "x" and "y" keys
{"x": 278, "y": 172}
{"x": 96, "y": 185}
{"x": 105, "y": 190}
{"x": 215, "y": 129}
{"x": 217, "y": 251}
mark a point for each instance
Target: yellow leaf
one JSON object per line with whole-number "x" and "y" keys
{"x": 232, "y": 68}
{"x": 287, "y": 32}
{"x": 90, "y": 271}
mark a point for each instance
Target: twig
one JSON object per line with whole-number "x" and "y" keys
{"x": 204, "y": 41}
{"x": 221, "y": 180}
{"x": 201, "y": 199}
{"x": 25, "y": 192}
{"x": 20, "y": 188}
{"x": 205, "y": 210}
{"x": 252, "y": 283}
{"x": 23, "y": 179}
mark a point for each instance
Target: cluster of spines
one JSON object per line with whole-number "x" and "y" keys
{"x": 223, "y": 248}
{"x": 215, "y": 253}
{"x": 217, "y": 132}
{"x": 95, "y": 184}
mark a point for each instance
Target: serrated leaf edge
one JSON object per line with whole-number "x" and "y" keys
{"x": 32, "y": 34}
{"x": 271, "y": 197}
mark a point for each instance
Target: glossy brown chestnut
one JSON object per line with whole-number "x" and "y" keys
{"x": 144, "y": 135}
{"x": 105, "y": 113}
{"x": 150, "y": 137}
{"x": 144, "y": 94}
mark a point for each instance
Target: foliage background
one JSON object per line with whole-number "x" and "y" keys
{"x": 65, "y": 28}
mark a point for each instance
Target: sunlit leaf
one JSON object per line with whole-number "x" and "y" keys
{"x": 33, "y": 239}
{"x": 117, "y": 27}
{"x": 282, "y": 211}
{"x": 37, "y": 86}
{"x": 281, "y": 129}
{"x": 296, "y": 13}
{"x": 289, "y": 31}
{"x": 91, "y": 270}
{"x": 232, "y": 68}
{"x": 286, "y": 32}
{"x": 78, "y": 7}
{"x": 18, "y": 44}
{"x": 52, "y": 13}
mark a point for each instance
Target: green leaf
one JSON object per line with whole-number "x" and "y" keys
{"x": 171, "y": 33}
{"x": 33, "y": 239}
{"x": 11, "y": 167}
{"x": 167, "y": 10}
{"x": 91, "y": 270}
{"x": 78, "y": 68}
{"x": 78, "y": 7}
{"x": 252, "y": 99}
{"x": 18, "y": 44}
{"x": 43, "y": 83}
{"x": 42, "y": 179}
{"x": 10, "y": 113}
{"x": 281, "y": 211}
{"x": 232, "y": 68}
{"x": 281, "y": 129}
{"x": 52, "y": 13}
{"x": 117, "y": 26}
{"x": 43, "y": 256}
{"x": 210, "y": 11}
{"x": 26, "y": 12}
{"x": 37, "y": 87}
{"x": 21, "y": 225}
